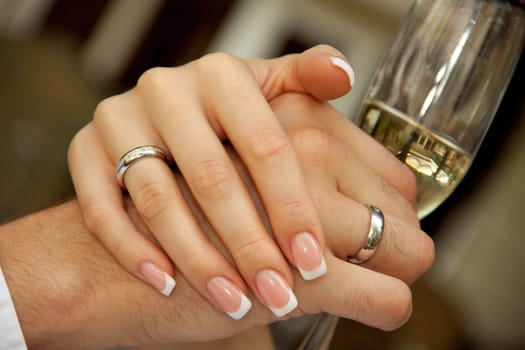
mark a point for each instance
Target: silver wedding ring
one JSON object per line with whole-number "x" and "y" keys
{"x": 375, "y": 233}
{"x": 136, "y": 154}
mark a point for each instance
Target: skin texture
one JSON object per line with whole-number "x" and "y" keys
{"x": 69, "y": 292}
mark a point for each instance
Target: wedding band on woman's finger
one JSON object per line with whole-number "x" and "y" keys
{"x": 136, "y": 154}
{"x": 375, "y": 233}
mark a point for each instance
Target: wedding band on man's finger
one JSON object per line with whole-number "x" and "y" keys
{"x": 375, "y": 233}
{"x": 132, "y": 156}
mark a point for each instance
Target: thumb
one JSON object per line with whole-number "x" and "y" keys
{"x": 321, "y": 71}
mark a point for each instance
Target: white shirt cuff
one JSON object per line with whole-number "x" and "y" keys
{"x": 11, "y": 337}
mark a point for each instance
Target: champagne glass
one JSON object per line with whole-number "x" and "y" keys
{"x": 434, "y": 97}
{"x": 435, "y": 94}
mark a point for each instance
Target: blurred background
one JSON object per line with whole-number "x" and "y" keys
{"x": 58, "y": 58}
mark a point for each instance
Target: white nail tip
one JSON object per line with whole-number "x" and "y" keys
{"x": 318, "y": 272}
{"x": 289, "y": 307}
{"x": 345, "y": 66}
{"x": 170, "y": 284}
{"x": 245, "y": 306}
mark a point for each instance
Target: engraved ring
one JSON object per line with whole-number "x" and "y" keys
{"x": 377, "y": 225}
{"x": 136, "y": 154}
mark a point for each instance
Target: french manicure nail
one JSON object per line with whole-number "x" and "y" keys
{"x": 308, "y": 256}
{"x": 157, "y": 277}
{"x": 230, "y": 298}
{"x": 276, "y": 293}
{"x": 346, "y": 67}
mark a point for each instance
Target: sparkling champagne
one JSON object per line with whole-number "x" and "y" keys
{"x": 439, "y": 164}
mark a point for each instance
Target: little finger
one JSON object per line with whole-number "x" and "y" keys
{"x": 102, "y": 205}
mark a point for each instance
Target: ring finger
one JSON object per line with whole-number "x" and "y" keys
{"x": 157, "y": 197}
{"x": 347, "y": 223}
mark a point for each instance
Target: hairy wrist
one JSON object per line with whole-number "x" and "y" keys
{"x": 47, "y": 277}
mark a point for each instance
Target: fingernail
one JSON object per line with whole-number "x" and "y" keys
{"x": 157, "y": 277}
{"x": 230, "y": 298}
{"x": 308, "y": 256}
{"x": 276, "y": 293}
{"x": 345, "y": 66}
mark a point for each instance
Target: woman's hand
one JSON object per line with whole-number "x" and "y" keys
{"x": 188, "y": 111}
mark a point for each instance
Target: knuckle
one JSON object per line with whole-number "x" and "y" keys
{"x": 151, "y": 200}
{"x": 426, "y": 254}
{"x": 107, "y": 111}
{"x": 153, "y": 79}
{"x": 397, "y": 307}
{"x": 219, "y": 62}
{"x": 247, "y": 250}
{"x": 269, "y": 145}
{"x": 74, "y": 148}
{"x": 95, "y": 216}
{"x": 411, "y": 215}
{"x": 211, "y": 177}
{"x": 312, "y": 142}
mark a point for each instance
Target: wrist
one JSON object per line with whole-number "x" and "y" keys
{"x": 51, "y": 294}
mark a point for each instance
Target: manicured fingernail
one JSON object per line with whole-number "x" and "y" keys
{"x": 308, "y": 256}
{"x": 230, "y": 298}
{"x": 346, "y": 67}
{"x": 157, "y": 277}
{"x": 276, "y": 293}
